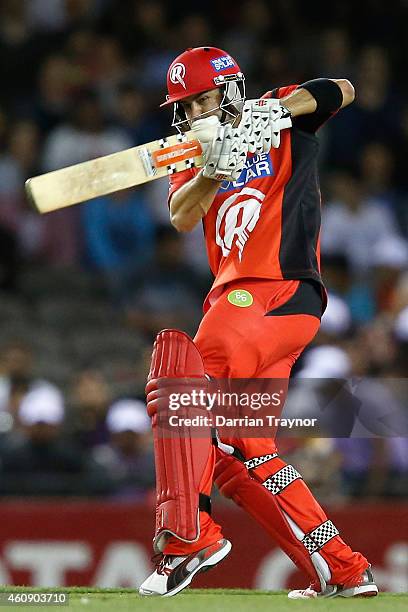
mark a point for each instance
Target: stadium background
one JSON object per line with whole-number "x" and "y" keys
{"x": 83, "y": 291}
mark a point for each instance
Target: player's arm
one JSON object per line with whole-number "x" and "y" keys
{"x": 224, "y": 159}
{"x": 192, "y": 201}
{"x": 314, "y": 102}
{"x": 325, "y": 96}
{"x": 305, "y": 106}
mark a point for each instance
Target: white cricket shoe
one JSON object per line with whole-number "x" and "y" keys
{"x": 363, "y": 586}
{"x": 173, "y": 574}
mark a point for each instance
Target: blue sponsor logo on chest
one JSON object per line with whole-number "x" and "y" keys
{"x": 255, "y": 167}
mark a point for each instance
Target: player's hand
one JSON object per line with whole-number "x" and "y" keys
{"x": 225, "y": 156}
{"x": 205, "y": 130}
{"x": 263, "y": 120}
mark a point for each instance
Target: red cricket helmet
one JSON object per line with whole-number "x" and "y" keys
{"x": 201, "y": 69}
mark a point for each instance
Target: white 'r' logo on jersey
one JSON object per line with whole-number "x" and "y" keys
{"x": 228, "y": 228}
{"x": 177, "y": 74}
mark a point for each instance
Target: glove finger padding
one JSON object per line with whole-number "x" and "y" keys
{"x": 263, "y": 120}
{"x": 213, "y": 152}
{"x": 234, "y": 152}
{"x": 242, "y": 156}
{"x": 224, "y": 161}
{"x": 246, "y": 125}
{"x": 258, "y": 126}
{"x": 226, "y": 157}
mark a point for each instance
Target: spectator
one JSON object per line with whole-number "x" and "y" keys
{"x": 118, "y": 235}
{"x": 373, "y": 461}
{"x": 367, "y": 119}
{"x": 170, "y": 292}
{"x": 86, "y": 419}
{"x": 16, "y": 374}
{"x": 133, "y": 117}
{"x": 351, "y": 225}
{"x": 18, "y": 161}
{"x": 55, "y": 87}
{"x": 337, "y": 55}
{"x": 322, "y": 392}
{"x": 389, "y": 260}
{"x": 325, "y": 362}
{"x": 38, "y": 461}
{"x": 128, "y": 456}
{"x": 109, "y": 70}
{"x": 358, "y": 295}
{"x": 336, "y": 319}
{"x": 85, "y": 136}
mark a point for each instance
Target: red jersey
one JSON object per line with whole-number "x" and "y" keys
{"x": 267, "y": 223}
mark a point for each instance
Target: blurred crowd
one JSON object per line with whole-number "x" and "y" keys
{"x": 84, "y": 291}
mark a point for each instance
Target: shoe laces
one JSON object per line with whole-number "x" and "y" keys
{"x": 160, "y": 561}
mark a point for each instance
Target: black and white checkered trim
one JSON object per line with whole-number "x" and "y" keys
{"x": 171, "y": 169}
{"x": 181, "y": 137}
{"x": 279, "y": 481}
{"x": 190, "y": 163}
{"x": 317, "y": 538}
{"x": 255, "y": 461}
{"x": 162, "y": 142}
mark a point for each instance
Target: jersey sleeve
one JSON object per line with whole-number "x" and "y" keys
{"x": 178, "y": 179}
{"x": 280, "y": 92}
{"x": 307, "y": 123}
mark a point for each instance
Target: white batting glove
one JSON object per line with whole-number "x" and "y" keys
{"x": 205, "y": 129}
{"x": 225, "y": 156}
{"x": 263, "y": 120}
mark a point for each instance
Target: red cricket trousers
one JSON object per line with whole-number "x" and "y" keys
{"x": 247, "y": 333}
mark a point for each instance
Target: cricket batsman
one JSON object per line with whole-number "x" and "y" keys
{"x": 258, "y": 198}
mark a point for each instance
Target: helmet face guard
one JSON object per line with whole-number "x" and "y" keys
{"x": 202, "y": 69}
{"x": 232, "y": 101}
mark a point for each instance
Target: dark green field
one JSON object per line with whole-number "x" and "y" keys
{"x": 209, "y": 600}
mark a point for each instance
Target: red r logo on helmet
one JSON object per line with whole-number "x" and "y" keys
{"x": 177, "y": 74}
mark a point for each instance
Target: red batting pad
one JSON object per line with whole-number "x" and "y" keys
{"x": 181, "y": 459}
{"x": 175, "y": 355}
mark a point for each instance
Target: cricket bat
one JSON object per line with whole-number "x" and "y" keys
{"x": 104, "y": 175}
